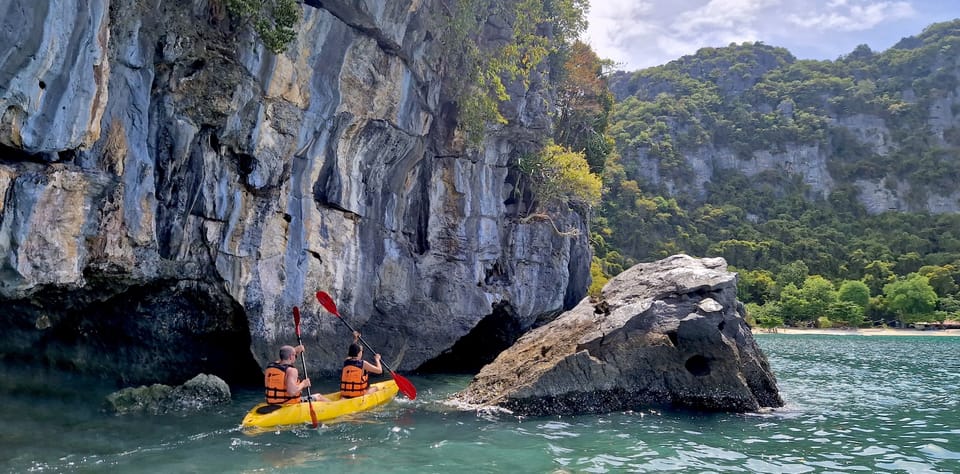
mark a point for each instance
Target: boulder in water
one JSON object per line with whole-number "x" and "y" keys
{"x": 667, "y": 333}
{"x": 198, "y": 393}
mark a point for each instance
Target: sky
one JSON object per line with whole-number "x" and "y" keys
{"x": 637, "y": 34}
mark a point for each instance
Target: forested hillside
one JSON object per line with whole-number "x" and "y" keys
{"x": 832, "y": 186}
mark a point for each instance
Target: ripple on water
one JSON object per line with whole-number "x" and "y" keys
{"x": 853, "y": 405}
{"x": 939, "y": 452}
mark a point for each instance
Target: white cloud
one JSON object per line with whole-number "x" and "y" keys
{"x": 650, "y": 32}
{"x": 845, "y": 17}
{"x": 723, "y": 14}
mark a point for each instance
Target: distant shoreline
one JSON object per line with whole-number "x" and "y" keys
{"x": 861, "y": 332}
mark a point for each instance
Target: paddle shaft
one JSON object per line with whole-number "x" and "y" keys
{"x": 303, "y": 363}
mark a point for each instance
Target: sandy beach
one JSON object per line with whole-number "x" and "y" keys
{"x": 862, "y": 332}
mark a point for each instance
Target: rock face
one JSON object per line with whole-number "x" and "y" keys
{"x": 169, "y": 190}
{"x": 664, "y": 333}
{"x": 199, "y": 393}
{"x": 816, "y": 161}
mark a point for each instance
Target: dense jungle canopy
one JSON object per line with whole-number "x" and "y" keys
{"x": 802, "y": 253}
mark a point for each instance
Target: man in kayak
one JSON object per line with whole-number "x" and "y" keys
{"x": 282, "y": 379}
{"x": 354, "y": 377}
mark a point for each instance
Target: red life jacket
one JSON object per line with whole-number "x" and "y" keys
{"x": 353, "y": 379}
{"x": 275, "y": 383}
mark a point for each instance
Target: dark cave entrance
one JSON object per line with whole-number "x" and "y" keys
{"x": 491, "y": 336}
{"x": 164, "y": 332}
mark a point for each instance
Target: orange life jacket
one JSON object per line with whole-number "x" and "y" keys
{"x": 275, "y": 383}
{"x": 353, "y": 379}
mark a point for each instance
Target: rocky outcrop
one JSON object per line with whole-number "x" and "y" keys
{"x": 806, "y": 161}
{"x": 166, "y": 182}
{"x": 810, "y": 162}
{"x": 669, "y": 332}
{"x": 199, "y": 393}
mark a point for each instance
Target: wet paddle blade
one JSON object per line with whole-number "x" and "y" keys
{"x": 406, "y": 388}
{"x": 313, "y": 413}
{"x": 296, "y": 319}
{"x": 327, "y": 302}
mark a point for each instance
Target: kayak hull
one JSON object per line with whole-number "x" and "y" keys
{"x": 261, "y": 416}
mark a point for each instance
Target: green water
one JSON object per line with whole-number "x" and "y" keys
{"x": 854, "y": 404}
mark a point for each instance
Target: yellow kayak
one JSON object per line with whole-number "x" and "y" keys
{"x": 266, "y": 416}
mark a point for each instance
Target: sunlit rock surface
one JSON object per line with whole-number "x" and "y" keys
{"x": 666, "y": 333}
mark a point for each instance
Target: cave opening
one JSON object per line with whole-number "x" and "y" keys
{"x": 162, "y": 332}
{"x": 491, "y": 336}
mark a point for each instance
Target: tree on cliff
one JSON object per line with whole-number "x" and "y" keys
{"x": 480, "y": 67}
{"x": 561, "y": 176}
{"x": 583, "y": 106}
{"x": 273, "y": 20}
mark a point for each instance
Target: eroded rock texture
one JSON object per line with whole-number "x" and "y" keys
{"x": 667, "y": 333}
{"x": 169, "y": 191}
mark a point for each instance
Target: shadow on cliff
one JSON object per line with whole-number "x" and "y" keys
{"x": 491, "y": 336}
{"x": 163, "y": 332}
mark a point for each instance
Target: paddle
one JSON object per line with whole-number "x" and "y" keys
{"x": 403, "y": 384}
{"x": 303, "y": 362}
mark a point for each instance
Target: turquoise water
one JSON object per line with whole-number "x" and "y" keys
{"x": 854, "y": 404}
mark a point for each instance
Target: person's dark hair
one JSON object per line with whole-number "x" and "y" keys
{"x": 354, "y": 350}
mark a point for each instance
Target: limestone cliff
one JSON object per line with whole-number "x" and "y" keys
{"x": 885, "y": 124}
{"x": 169, "y": 190}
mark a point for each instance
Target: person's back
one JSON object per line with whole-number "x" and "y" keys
{"x": 275, "y": 384}
{"x": 281, "y": 380}
{"x": 354, "y": 378}
{"x": 354, "y": 381}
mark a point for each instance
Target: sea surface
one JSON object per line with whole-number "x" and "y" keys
{"x": 854, "y": 404}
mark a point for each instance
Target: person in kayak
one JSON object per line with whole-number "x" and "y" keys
{"x": 282, "y": 379}
{"x": 354, "y": 377}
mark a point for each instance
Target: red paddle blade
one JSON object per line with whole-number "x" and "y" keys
{"x": 296, "y": 319}
{"x": 406, "y": 388}
{"x": 327, "y": 302}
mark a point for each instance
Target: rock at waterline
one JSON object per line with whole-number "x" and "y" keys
{"x": 198, "y": 393}
{"x": 666, "y": 333}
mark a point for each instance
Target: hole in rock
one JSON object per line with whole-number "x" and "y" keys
{"x": 9, "y": 154}
{"x": 698, "y": 365}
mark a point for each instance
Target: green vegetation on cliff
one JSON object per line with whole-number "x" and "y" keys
{"x": 492, "y": 50}
{"x": 273, "y": 20}
{"x": 797, "y": 250}
{"x": 481, "y": 64}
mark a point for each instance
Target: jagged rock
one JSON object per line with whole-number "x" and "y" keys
{"x": 198, "y": 393}
{"x": 669, "y": 332}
